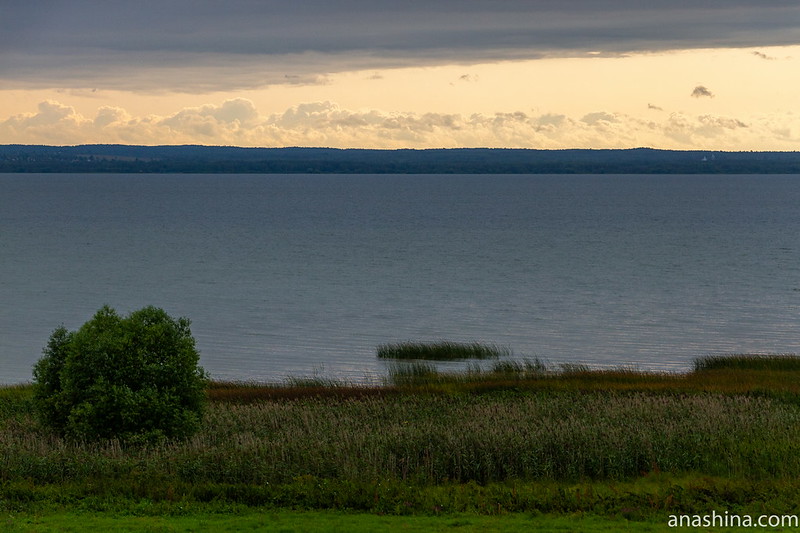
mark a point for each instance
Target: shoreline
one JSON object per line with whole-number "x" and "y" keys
{"x": 612, "y": 445}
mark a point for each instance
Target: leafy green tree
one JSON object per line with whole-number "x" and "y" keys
{"x": 134, "y": 378}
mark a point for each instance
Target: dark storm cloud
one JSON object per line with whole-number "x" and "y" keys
{"x": 243, "y": 43}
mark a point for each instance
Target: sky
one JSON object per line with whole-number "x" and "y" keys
{"x": 678, "y": 74}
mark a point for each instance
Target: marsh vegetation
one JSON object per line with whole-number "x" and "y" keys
{"x": 515, "y": 437}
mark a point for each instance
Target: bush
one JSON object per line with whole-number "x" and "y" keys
{"x": 134, "y": 378}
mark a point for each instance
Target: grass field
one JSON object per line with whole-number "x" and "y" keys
{"x": 511, "y": 444}
{"x": 326, "y": 521}
{"x": 284, "y": 521}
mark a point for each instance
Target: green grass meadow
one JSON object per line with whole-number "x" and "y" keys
{"x": 519, "y": 446}
{"x": 282, "y": 521}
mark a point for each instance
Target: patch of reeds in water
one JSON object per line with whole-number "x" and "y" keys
{"x": 776, "y": 362}
{"x": 440, "y": 351}
{"x": 526, "y": 367}
{"x": 412, "y": 372}
{"x": 416, "y": 372}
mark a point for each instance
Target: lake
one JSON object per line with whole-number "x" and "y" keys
{"x": 302, "y": 275}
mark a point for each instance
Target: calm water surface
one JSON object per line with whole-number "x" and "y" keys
{"x": 296, "y": 275}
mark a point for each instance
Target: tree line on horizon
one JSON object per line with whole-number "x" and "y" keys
{"x": 221, "y": 159}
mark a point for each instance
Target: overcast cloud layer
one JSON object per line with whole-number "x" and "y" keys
{"x": 200, "y": 45}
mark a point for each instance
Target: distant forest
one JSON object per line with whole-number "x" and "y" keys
{"x": 219, "y": 159}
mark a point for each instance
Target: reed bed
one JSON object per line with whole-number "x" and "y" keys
{"x": 316, "y": 444}
{"x": 775, "y": 362}
{"x": 431, "y": 439}
{"x": 440, "y": 351}
{"x": 246, "y": 392}
{"x": 521, "y": 376}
